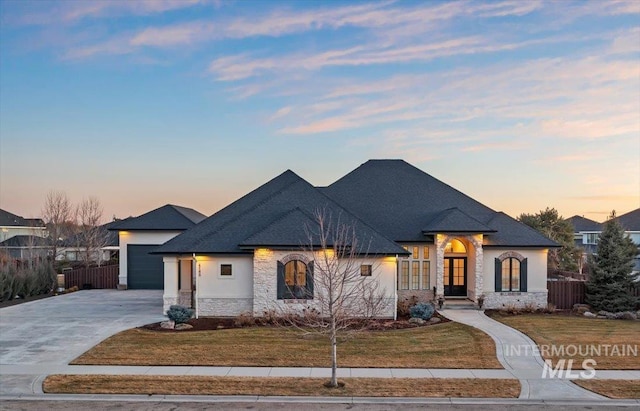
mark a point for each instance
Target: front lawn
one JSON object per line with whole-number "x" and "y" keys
{"x": 448, "y": 345}
{"x": 612, "y": 337}
{"x": 359, "y": 387}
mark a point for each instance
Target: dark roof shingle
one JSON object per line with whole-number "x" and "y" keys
{"x": 168, "y": 217}
{"x": 580, "y": 223}
{"x": 8, "y": 219}
{"x": 631, "y": 220}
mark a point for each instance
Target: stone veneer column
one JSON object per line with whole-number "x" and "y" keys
{"x": 264, "y": 280}
{"x": 441, "y": 242}
{"x": 476, "y": 240}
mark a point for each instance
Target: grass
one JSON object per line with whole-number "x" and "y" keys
{"x": 361, "y": 387}
{"x": 618, "y": 389}
{"x": 558, "y": 330}
{"x": 448, "y": 345}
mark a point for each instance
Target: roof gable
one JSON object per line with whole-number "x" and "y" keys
{"x": 168, "y": 217}
{"x": 455, "y": 221}
{"x": 631, "y": 220}
{"x": 580, "y": 223}
{"x": 274, "y": 214}
{"x": 400, "y": 200}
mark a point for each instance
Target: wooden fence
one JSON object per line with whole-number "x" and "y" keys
{"x": 564, "y": 294}
{"x": 95, "y": 277}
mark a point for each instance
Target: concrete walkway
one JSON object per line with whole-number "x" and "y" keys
{"x": 519, "y": 356}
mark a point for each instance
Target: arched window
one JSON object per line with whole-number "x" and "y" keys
{"x": 455, "y": 246}
{"x": 295, "y": 280}
{"x": 511, "y": 272}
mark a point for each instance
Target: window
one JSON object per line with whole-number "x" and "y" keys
{"x": 71, "y": 256}
{"x": 295, "y": 280}
{"x": 404, "y": 276}
{"x": 426, "y": 275}
{"x": 225, "y": 270}
{"x": 415, "y": 275}
{"x": 455, "y": 246}
{"x": 365, "y": 270}
{"x": 511, "y": 274}
{"x": 592, "y": 238}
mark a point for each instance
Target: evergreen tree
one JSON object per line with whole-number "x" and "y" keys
{"x": 551, "y": 224}
{"x": 611, "y": 278}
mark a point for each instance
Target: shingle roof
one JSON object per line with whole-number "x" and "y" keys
{"x": 8, "y": 219}
{"x": 167, "y": 217}
{"x": 580, "y": 223}
{"x": 399, "y": 200}
{"x": 25, "y": 241}
{"x": 274, "y": 214}
{"x": 631, "y": 220}
{"x": 453, "y": 220}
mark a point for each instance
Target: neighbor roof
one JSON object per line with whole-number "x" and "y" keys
{"x": 631, "y": 220}
{"x": 24, "y": 241}
{"x": 274, "y": 214}
{"x": 8, "y": 219}
{"x": 580, "y": 223}
{"x": 168, "y": 217}
{"x": 400, "y": 201}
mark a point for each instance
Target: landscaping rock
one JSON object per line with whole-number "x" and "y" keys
{"x": 603, "y": 313}
{"x": 611, "y": 316}
{"x": 589, "y": 314}
{"x": 184, "y": 326}
{"x": 418, "y": 321}
{"x": 434, "y": 320}
{"x": 170, "y": 325}
{"x": 581, "y": 308}
{"x": 627, "y": 315}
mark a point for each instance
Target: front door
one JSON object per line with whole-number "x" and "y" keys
{"x": 455, "y": 276}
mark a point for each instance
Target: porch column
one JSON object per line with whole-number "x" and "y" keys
{"x": 170, "y": 296}
{"x": 479, "y": 269}
{"x": 441, "y": 242}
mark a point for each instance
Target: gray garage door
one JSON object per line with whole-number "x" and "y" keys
{"x": 144, "y": 271}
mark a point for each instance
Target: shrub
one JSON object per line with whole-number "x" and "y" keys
{"x": 32, "y": 279}
{"x": 405, "y": 305}
{"x": 179, "y": 314}
{"x": 422, "y": 310}
{"x": 244, "y": 320}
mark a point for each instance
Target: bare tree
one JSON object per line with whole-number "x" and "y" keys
{"x": 57, "y": 212}
{"x": 343, "y": 298}
{"x": 91, "y": 237}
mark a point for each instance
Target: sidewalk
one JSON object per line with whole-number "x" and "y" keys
{"x": 526, "y": 364}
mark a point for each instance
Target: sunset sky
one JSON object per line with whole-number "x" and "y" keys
{"x": 520, "y": 104}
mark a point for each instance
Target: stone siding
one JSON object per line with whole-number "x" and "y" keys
{"x": 224, "y": 307}
{"x": 498, "y": 300}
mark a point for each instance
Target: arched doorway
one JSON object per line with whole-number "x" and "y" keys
{"x": 455, "y": 269}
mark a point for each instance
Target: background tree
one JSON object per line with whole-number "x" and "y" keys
{"x": 553, "y": 226}
{"x": 57, "y": 213}
{"x": 611, "y": 278}
{"x": 343, "y": 298}
{"x": 91, "y": 237}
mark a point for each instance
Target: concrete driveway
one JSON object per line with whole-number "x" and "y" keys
{"x": 58, "y": 329}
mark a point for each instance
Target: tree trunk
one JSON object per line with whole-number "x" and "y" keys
{"x": 334, "y": 355}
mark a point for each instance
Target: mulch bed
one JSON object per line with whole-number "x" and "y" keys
{"x": 222, "y": 323}
{"x": 16, "y": 301}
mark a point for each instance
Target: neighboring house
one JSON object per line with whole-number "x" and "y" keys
{"x": 25, "y": 247}
{"x": 424, "y": 239}
{"x": 139, "y": 235}
{"x": 587, "y": 232}
{"x": 12, "y": 225}
{"x": 72, "y": 249}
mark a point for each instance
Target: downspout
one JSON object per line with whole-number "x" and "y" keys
{"x": 196, "y": 272}
{"x": 395, "y": 289}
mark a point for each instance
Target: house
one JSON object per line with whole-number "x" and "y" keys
{"x": 137, "y": 236}
{"x": 104, "y": 247}
{"x": 423, "y": 237}
{"x": 12, "y": 225}
{"x": 587, "y": 232}
{"x": 25, "y": 247}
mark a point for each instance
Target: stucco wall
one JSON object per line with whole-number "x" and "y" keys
{"x": 536, "y": 275}
{"x": 139, "y": 237}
